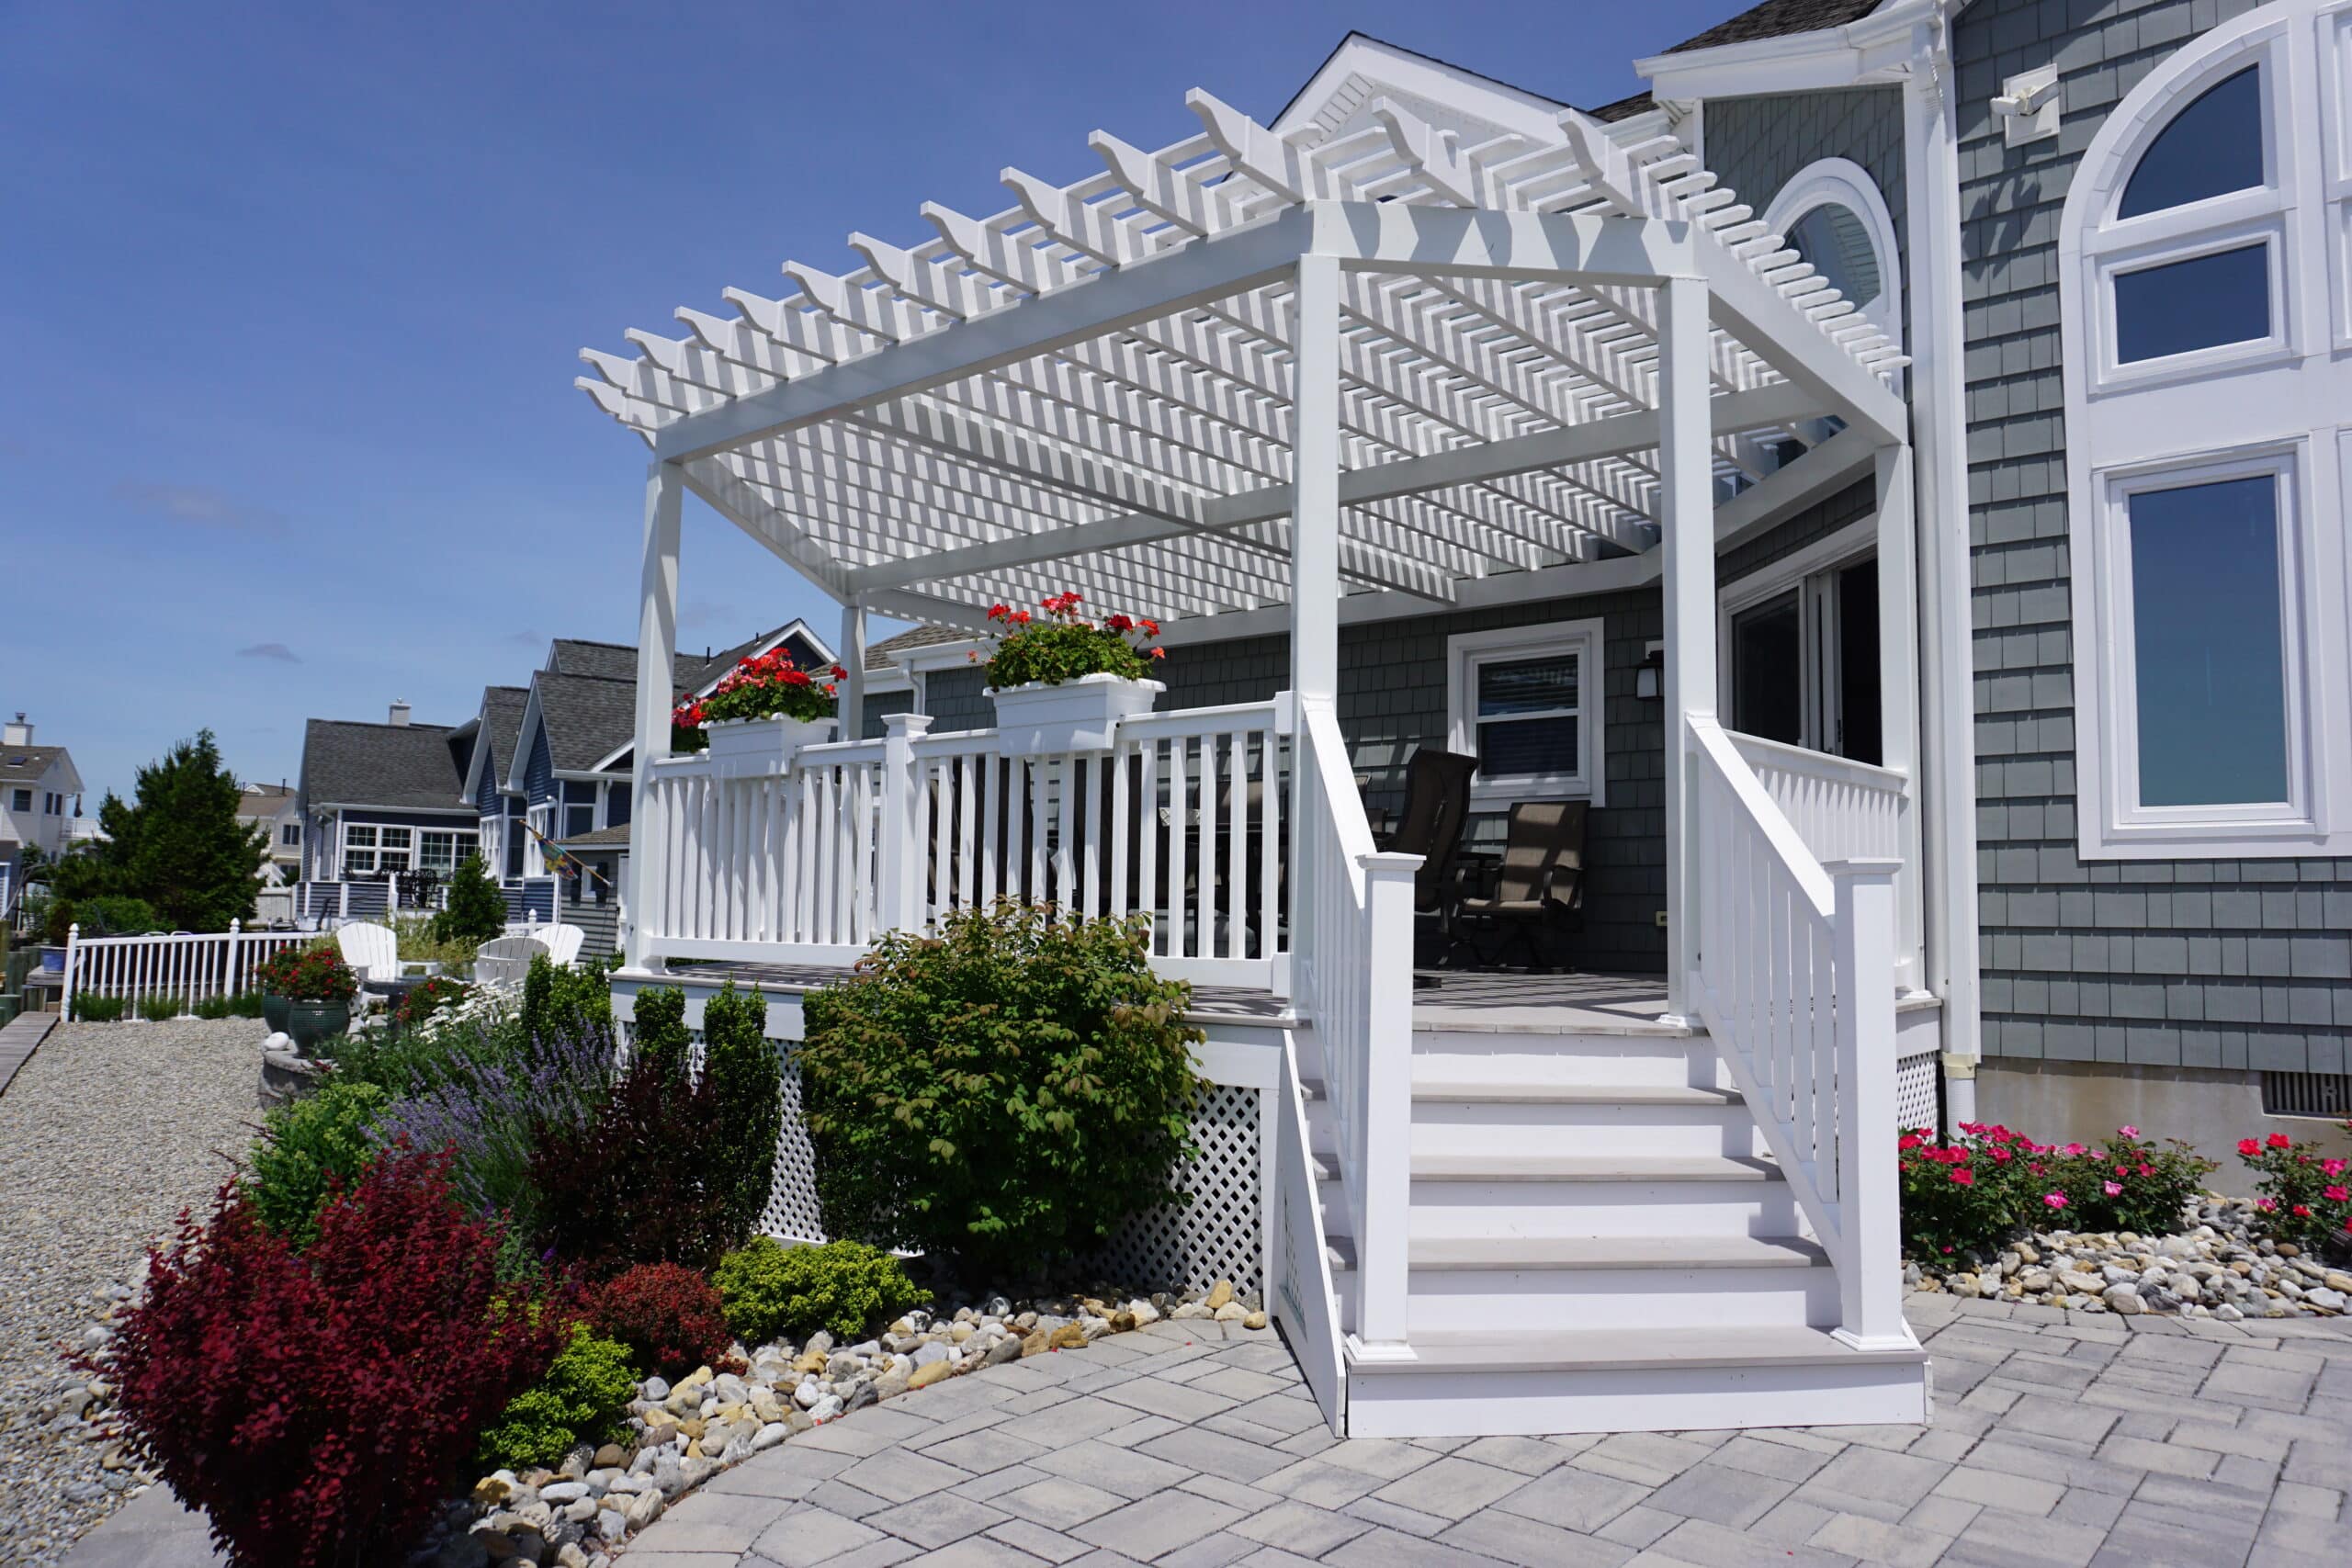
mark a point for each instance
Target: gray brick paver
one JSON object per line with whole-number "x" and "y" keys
{"x": 2056, "y": 1443}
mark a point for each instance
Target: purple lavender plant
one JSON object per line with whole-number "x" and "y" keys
{"x": 490, "y": 1101}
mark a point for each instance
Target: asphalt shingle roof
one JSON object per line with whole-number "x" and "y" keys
{"x": 349, "y": 763}
{"x": 1777, "y": 18}
{"x": 604, "y": 660}
{"x": 586, "y": 719}
{"x": 502, "y": 724}
{"x": 25, "y": 764}
{"x": 882, "y": 655}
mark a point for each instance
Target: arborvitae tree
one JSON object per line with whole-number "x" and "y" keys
{"x": 476, "y": 910}
{"x": 747, "y": 1070}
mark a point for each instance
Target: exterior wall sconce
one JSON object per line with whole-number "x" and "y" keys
{"x": 1649, "y": 675}
{"x": 2028, "y": 107}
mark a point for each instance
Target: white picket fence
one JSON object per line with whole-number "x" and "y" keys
{"x": 188, "y": 966}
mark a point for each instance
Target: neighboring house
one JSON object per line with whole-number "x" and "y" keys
{"x": 379, "y": 799}
{"x": 1891, "y": 476}
{"x": 276, "y": 810}
{"x": 565, "y": 777}
{"x": 40, "y": 796}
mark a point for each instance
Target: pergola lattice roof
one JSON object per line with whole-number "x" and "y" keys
{"x": 1092, "y": 388}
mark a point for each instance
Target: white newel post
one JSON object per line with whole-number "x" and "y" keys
{"x": 849, "y": 704}
{"x": 229, "y": 985}
{"x": 73, "y": 952}
{"x": 1382, "y": 1314}
{"x": 1687, "y": 507}
{"x": 1870, "y": 1264}
{"x": 905, "y": 846}
{"x": 657, "y": 639}
{"x": 1898, "y": 642}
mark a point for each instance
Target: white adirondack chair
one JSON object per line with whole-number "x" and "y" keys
{"x": 562, "y": 941}
{"x": 506, "y": 960}
{"x": 372, "y": 950}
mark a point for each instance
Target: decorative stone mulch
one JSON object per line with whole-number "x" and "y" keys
{"x": 680, "y": 1435}
{"x": 2215, "y": 1268}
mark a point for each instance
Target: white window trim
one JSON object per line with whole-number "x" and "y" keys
{"x": 1464, "y": 651}
{"x": 1844, "y": 183}
{"x": 2285, "y": 401}
{"x": 2109, "y": 770}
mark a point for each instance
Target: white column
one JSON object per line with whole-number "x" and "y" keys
{"x": 1686, "y": 542}
{"x": 851, "y": 705}
{"x": 1939, "y": 413}
{"x": 1869, "y": 1254}
{"x": 1898, "y": 647}
{"x": 1314, "y": 522}
{"x": 904, "y": 854}
{"x": 656, "y": 640}
{"x": 1314, "y": 560}
{"x": 1382, "y": 1261}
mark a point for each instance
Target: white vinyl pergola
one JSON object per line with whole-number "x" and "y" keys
{"x": 1246, "y": 374}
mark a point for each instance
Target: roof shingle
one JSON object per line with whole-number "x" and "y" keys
{"x": 1778, "y": 18}
{"x": 403, "y": 765}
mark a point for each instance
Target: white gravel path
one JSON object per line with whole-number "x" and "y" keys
{"x": 107, "y": 1133}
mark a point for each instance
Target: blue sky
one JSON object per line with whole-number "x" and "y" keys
{"x": 294, "y": 294}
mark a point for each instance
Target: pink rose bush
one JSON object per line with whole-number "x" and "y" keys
{"x": 2306, "y": 1196}
{"x": 1970, "y": 1194}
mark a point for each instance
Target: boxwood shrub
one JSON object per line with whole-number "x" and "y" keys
{"x": 1002, "y": 1095}
{"x": 770, "y": 1291}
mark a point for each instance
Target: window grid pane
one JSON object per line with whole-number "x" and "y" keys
{"x": 2212, "y": 148}
{"x": 1548, "y": 685}
{"x": 2205, "y": 622}
{"x": 2203, "y": 302}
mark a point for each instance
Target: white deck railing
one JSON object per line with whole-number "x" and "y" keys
{"x": 1842, "y": 809}
{"x": 1355, "y": 981}
{"x": 807, "y": 862}
{"x": 188, "y": 966}
{"x": 1795, "y": 982}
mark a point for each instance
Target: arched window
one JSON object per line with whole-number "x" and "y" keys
{"x": 1831, "y": 214}
{"x": 2202, "y": 316}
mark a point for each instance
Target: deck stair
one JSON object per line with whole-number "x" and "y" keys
{"x": 1598, "y": 1241}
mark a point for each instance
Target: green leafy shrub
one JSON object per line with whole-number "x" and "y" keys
{"x": 1962, "y": 1197}
{"x": 1003, "y": 1094}
{"x": 772, "y": 1291}
{"x": 108, "y": 914}
{"x": 746, "y": 1074}
{"x": 211, "y": 1007}
{"x": 245, "y": 1004}
{"x": 580, "y": 1400}
{"x": 99, "y": 1010}
{"x": 476, "y": 909}
{"x": 1066, "y": 645}
{"x": 306, "y": 1151}
{"x": 659, "y": 1035}
{"x": 557, "y": 1001}
{"x": 159, "y": 1007}
{"x": 2306, "y": 1193}
{"x": 420, "y": 940}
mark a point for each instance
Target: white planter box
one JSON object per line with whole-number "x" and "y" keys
{"x": 737, "y": 743}
{"x": 1038, "y": 720}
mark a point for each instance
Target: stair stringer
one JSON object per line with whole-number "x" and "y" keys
{"x": 1302, "y": 1296}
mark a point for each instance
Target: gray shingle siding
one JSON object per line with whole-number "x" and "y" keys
{"x": 2195, "y": 963}
{"x": 538, "y": 773}
{"x": 1758, "y": 144}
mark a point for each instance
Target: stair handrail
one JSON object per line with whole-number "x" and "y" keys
{"x": 1353, "y": 969}
{"x": 1795, "y": 981}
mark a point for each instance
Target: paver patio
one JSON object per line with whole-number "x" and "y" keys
{"x": 2060, "y": 1439}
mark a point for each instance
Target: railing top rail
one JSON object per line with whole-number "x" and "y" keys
{"x": 1225, "y": 716}
{"x": 682, "y": 762}
{"x": 1761, "y": 752}
{"x": 956, "y": 743}
{"x": 844, "y": 751}
{"x": 1716, "y": 744}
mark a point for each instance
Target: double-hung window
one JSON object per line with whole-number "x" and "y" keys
{"x": 1526, "y": 700}
{"x": 443, "y": 850}
{"x": 358, "y": 848}
{"x": 2209, "y": 422}
{"x": 20, "y": 800}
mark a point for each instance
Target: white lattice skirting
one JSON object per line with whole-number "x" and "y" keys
{"x": 1220, "y": 1234}
{"x": 1914, "y": 1091}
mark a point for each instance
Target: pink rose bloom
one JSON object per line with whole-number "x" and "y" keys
{"x": 2055, "y": 1200}
{"x": 2333, "y": 1166}
{"x": 2072, "y": 1149}
{"x": 2127, "y": 1131}
{"x": 2113, "y": 1188}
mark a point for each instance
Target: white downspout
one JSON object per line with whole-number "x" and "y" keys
{"x": 1938, "y": 411}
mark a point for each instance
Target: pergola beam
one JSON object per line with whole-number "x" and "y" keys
{"x": 1632, "y": 431}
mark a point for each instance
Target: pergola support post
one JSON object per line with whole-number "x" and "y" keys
{"x": 1687, "y": 545}
{"x": 1898, "y": 650}
{"x": 657, "y": 639}
{"x": 850, "y": 702}
{"x": 1314, "y": 543}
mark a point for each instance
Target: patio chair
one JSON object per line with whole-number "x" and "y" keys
{"x": 1537, "y": 885}
{"x": 563, "y": 942}
{"x": 1437, "y": 801}
{"x": 505, "y": 961}
{"x": 372, "y": 950}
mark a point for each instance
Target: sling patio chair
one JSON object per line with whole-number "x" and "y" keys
{"x": 1536, "y": 885}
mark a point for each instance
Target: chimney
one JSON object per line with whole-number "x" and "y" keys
{"x": 400, "y": 711}
{"x": 17, "y": 732}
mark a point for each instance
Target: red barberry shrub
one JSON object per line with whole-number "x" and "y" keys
{"x": 320, "y": 1406}
{"x": 628, "y": 1186}
{"x": 668, "y": 1315}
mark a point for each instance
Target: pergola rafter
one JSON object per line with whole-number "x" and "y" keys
{"x": 1104, "y": 372}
